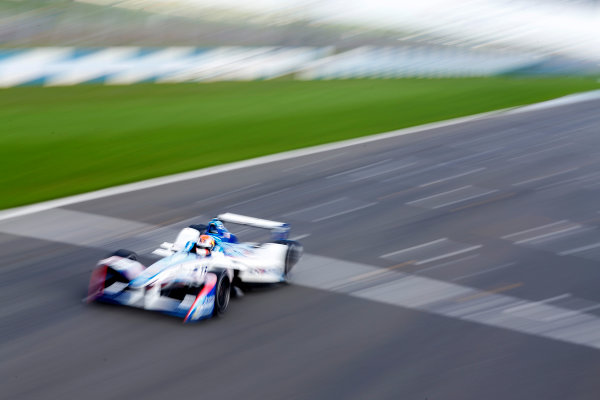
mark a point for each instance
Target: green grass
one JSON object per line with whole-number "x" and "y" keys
{"x": 56, "y": 142}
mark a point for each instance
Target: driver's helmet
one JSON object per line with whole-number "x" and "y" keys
{"x": 216, "y": 227}
{"x": 206, "y": 242}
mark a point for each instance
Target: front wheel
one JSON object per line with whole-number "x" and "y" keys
{"x": 222, "y": 294}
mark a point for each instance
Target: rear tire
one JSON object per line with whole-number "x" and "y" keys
{"x": 222, "y": 293}
{"x": 293, "y": 254}
{"x": 126, "y": 254}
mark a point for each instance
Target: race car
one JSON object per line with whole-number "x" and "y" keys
{"x": 197, "y": 272}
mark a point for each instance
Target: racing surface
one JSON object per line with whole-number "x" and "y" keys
{"x": 458, "y": 263}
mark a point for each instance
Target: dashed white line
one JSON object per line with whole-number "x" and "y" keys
{"x": 452, "y": 177}
{"x": 547, "y": 235}
{"x": 579, "y": 249}
{"x": 439, "y": 194}
{"x": 539, "y": 178}
{"x": 465, "y": 199}
{"x": 451, "y": 254}
{"x": 344, "y": 212}
{"x": 452, "y": 300}
{"x": 448, "y": 263}
{"x": 536, "y": 303}
{"x": 358, "y": 169}
{"x": 470, "y": 156}
{"x": 571, "y": 313}
{"x": 534, "y": 229}
{"x": 383, "y": 172}
{"x": 413, "y": 173}
{"x": 413, "y": 248}
{"x": 320, "y": 160}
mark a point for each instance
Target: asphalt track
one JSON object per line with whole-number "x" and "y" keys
{"x": 457, "y": 263}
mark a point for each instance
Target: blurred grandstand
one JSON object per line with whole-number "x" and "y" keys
{"x": 62, "y": 42}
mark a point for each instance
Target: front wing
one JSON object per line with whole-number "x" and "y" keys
{"x": 107, "y": 285}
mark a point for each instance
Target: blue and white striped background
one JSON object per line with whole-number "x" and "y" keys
{"x": 58, "y": 66}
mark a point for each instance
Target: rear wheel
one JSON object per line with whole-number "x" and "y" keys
{"x": 293, "y": 254}
{"x": 222, "y": 294}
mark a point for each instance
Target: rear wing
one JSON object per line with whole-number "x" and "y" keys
{"x": 279, "y": 230}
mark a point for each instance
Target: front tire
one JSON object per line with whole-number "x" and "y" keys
{"x": 222, "y": 294}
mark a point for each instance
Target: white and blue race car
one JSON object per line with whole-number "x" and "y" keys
{"x": 191, "y": 281}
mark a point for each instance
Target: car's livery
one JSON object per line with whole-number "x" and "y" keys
{"x": 194, "y": 284}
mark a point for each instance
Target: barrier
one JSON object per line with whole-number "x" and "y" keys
{"x": 61, "y": 66}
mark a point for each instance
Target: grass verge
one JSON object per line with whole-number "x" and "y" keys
{"x": 56, "y": 142}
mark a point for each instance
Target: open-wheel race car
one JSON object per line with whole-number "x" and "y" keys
{"x": 197, "y": 272}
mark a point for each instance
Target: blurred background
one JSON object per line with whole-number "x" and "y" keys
{"x": 52, "y": 42}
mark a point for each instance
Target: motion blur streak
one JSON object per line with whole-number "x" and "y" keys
{"x": 572, "y": 27}
{"x": 535, "y": 30}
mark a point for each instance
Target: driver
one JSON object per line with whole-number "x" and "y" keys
{"x": 205, "y": 245}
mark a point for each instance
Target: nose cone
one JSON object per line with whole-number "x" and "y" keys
{"x": 150, "y": 273}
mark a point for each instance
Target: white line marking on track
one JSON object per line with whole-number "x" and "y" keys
{"x": 445, "y": 264}
{"x": 393, "y": 253}
{"x": 438, "y": 166}
{"x": 571, "y": 313}
{"x": 465, "y": 199}
{"x": 539, "y": 178}
{"x": 358, "y": 169}
{"x": 452, "y": 177}
{"x": 413, "y": 173}
{"x": 534, "y": 229}
{"x": 451, "y": 300}
{"x": 383, "y": 172}
{"x": 451, "y": 254}
{"x": 439, "y": 194}
{"x": 469, "y": 157}
{"x": 579, "y": 249}
{"x": 536, "y": 303}
{"x": 497, "y": 309}
{"x": 320, "y": 160}
{"x": 343, "y": 212}
{"x": 547, "y": 235}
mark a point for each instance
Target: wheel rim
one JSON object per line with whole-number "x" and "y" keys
{"x": 222, "y": 298}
